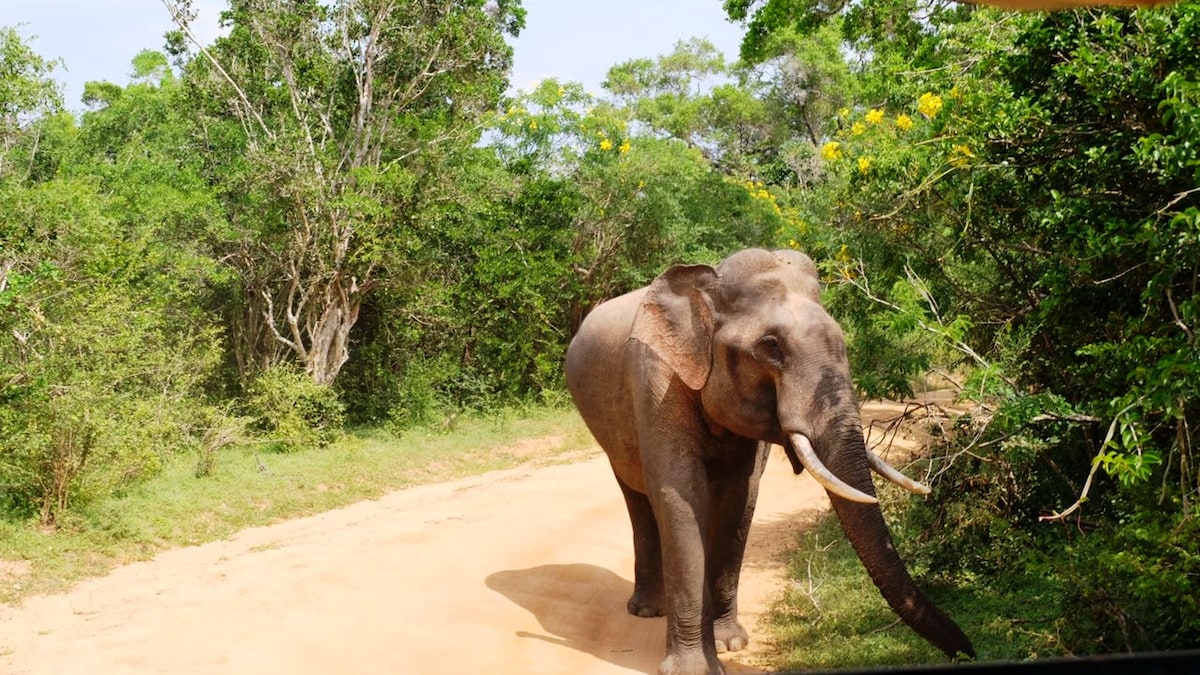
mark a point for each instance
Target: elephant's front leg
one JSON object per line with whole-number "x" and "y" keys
{"x": 679, "y": 494}
{"x": 734, "y": 493}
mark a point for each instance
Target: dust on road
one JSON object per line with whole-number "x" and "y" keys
{"x": 525, "y": 570}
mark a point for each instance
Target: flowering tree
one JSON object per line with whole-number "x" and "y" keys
{"x": 643, "y": 198}
{"x": 1030, "y": 203}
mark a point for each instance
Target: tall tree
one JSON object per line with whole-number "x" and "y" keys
{"x": 642, "y": 194}
{"x": 26, "y": 94}
{"x": 103, "y": 359}
{"x": 325, "y": 123}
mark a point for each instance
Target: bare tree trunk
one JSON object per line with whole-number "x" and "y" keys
{"x": 330, "y": 333}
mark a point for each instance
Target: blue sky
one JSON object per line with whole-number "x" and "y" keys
{"x": 576, "y": 40}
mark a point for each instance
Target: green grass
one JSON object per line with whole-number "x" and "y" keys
{"x": 250, "y": 487}
{"x": 833, "y": 617}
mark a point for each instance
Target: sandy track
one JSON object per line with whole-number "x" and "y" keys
{"x": 525, "y": 570}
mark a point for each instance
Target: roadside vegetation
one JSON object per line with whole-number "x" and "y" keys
{"x": 279, "y": 250}
{"x": 257, "y": 484}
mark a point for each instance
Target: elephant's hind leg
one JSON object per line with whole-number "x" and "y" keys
{"x": 649, "y": 598}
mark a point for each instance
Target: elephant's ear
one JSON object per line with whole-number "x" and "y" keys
{"x": 675, "y": 320}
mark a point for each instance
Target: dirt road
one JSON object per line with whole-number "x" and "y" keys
{"x": 525, "y": 570}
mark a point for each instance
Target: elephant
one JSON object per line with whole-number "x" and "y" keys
{"x": 686, "y": 384}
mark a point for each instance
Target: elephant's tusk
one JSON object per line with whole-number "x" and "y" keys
{"x": 824, "y": 476}
{"x": 889, "y": 472}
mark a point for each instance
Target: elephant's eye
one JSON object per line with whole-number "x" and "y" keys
{"x": 768, "y": 350}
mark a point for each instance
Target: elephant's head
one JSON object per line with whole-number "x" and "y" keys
{"x": 767, "y": 362}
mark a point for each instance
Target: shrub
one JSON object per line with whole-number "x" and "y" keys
{"x": 292, "y": 410}
{"x": 95, "y": 393}
{"x": 215, "y": 429}
{"x": 1119, "y": 575}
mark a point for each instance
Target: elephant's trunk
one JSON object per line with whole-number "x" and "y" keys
{"x": 867, "y": 532}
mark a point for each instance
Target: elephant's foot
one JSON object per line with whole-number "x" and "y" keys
{"x": 692, "y": 662}
{"x": 645, "y": 603}
{"x": 730, "y": 635}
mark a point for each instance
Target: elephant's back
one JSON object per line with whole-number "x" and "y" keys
{"x": 597, "y": 346}
{"x": 596, "y": 371}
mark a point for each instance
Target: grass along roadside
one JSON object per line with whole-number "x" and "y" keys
{"x": 831, "y": 616}
{"x": 249, "y": 488}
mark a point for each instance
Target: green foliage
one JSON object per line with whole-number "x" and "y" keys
{"x": 97, "y": 378}
{"x": 832, "y": 616}
{"x": 1069, "y": 251}
{"x": 1019, "y": 592}
{"x": 639, "y": 180}
{"x": 214, "y": 430}
{"x": 266, "y": 200}
{"x": 26, "y": 92}
{"x": 326, "y": 129}
{"x": 292, "y": 411}
{"x": 1124, "y": 579}
{"x": 1015, "y": 203}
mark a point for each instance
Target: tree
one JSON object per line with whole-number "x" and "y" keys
{"x": 642, "y": 198}
{"x": 323, "y": 122}
{"x": 103, "y": 359}
{"x": 26, "y": 94}
{"x": 136, "y": 143}
{"x": 1032, "y": 203}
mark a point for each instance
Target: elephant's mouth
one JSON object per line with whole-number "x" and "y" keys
{"x": 788, "y": 450}
{"x": 800, "y": 453}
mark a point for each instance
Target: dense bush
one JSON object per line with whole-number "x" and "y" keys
{"x": 291, "y": 410}
{"x": 99, "y": 383}
{"x": 1033, "y": 211}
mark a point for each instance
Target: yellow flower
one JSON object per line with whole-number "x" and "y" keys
{"x": 875, "y": 116}
{"x": 624, "y": 146}
{"x": 864, "y": 163}
{"x": 561, "y": 92}
{"x": 904, "y": 122}
{"x": 844, "y": 112}
{"x": 857, "y": 129}
{"x": 831, "y": 151}
{"x": 606, "y": 145}
{"x": 961, "y": 155}
{"x": 929, "y": 104}
{"x": 533, "y": 125}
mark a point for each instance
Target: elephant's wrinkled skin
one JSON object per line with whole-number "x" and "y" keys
{"x": 684, "y": 384}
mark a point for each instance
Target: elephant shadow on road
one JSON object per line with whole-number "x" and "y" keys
{"x": 582, "y": 607}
